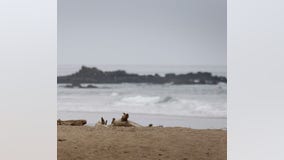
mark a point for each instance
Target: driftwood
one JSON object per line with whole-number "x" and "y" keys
{"x": 80, "y": 122}
{"x": 61, "y": 140}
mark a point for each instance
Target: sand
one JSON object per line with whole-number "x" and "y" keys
{"x": 146, "y": 143}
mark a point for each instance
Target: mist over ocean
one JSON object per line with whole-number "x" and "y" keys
{"x": 174, "y": 105}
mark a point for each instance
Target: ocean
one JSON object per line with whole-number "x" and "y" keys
{"x": 195, "y": 106}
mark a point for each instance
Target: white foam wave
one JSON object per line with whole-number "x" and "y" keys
{"x": 114, "y": 94}
{"x": 176, "y": 100}
{"x": 138, "y": 100}
{"x": 169, "y": 106}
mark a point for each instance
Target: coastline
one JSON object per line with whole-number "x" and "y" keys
{"x": 119, "y": 143}
{"x": 96, "y": 75}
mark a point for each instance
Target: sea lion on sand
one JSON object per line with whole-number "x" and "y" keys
{"x": 124, "y": 117}
{"x": 113, "y": 119}
{"x": 102, "y": 122}
{"x": 124, "y": 122}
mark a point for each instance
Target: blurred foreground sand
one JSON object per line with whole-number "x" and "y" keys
{"x": 146, "y": 143}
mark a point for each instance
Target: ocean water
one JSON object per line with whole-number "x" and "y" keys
{"x": 195, "y": 106}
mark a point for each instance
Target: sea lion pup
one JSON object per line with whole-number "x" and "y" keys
{"x": 102, "y": 122}
{"x": 124, "y": 117}
{"x": 113, "y": 119}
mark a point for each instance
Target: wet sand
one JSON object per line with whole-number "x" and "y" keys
{"x": 145, "y": 143}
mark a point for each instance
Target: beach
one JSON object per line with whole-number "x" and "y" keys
{"x": 165, "y": 143}
{"x": 189, "y": 121}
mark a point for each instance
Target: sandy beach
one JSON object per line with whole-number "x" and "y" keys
{"x": 147, "y": 143}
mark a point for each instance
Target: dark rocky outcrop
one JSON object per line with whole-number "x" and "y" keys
{"x": 94, "y": 75}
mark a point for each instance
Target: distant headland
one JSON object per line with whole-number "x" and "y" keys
{"x": 95, "y": 75}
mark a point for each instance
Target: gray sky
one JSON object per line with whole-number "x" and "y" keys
{"x": 143, "y": 32}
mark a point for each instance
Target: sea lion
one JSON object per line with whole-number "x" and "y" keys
{"x": 113, "y": 119}
{"x": 124, "y": 117}
{"x": 102, "y": 122}
{"x": 124, "y": 122}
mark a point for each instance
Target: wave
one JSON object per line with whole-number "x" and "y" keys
{"x": 139, "y": 100}
{"x": 167, "y": 99}
{"x": 114, "y": 94}
{"x": 197, "y": 101}
{"x": 145, "y": 100}
{"x": 169, "y": 106}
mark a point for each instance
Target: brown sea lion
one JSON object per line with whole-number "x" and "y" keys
{"x": 113, "y": 119}
{"x": 103, "y": 122}
{"x": 124, "y": 117}
{"x": 124, "y": 122}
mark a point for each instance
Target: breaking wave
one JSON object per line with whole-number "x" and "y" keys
{"x": 199, "y": 101}
{"x": 170, "y": 106}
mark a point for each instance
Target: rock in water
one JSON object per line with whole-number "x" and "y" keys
{"x": 94, "y": 75}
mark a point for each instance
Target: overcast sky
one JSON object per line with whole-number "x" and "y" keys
{"x": 143, "y": 32}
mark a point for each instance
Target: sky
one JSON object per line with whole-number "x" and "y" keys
{"x": 142, "y": 32}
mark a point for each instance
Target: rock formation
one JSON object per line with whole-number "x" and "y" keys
{"x": 94, "y": 75}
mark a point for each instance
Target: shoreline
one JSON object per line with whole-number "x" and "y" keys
{"x": 154, "y": 114}
{"x": 146, "y": 119}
